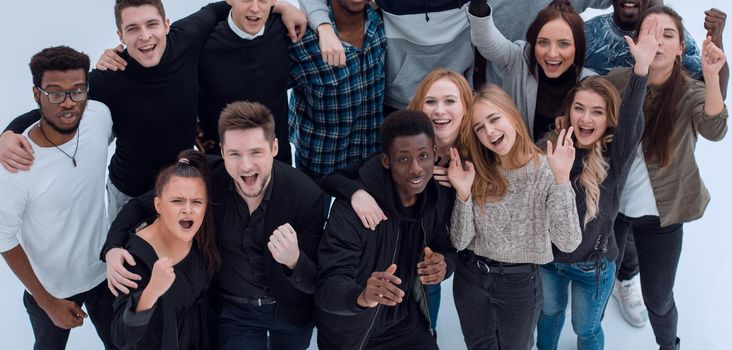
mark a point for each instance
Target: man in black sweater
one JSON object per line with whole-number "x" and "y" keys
{"x": 269, "y": 219}
{"x": 371, "y": 284}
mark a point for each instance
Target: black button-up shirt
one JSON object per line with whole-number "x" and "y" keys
{"x": 242, "y": 241}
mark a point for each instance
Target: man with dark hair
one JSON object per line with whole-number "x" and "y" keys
{"x": 269, "y": 219}
{"x": 53, "y": 217}
{"x": 371, "y": 284}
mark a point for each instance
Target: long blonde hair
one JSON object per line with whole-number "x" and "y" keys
{"x": 489, "y": 183}
{"x": 594, "y": 165}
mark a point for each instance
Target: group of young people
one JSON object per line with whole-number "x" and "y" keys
{"x": 521, "y": 187}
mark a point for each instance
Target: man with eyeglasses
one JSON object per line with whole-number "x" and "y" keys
{"x": 53, "y": 217}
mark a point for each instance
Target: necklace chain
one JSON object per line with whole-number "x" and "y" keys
{"x": 73, "y": 157}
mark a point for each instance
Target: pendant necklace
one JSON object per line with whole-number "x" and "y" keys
{"x": 73, "y": 157}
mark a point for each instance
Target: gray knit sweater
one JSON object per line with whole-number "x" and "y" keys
{"x": 521, "y": 227}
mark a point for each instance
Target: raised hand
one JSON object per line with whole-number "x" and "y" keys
{"x": 433, "y": 268}
{"x": 283, "y": 246}
{"x": 561, "y": 158}
{"x": 713, "y": 58}
{"x": 460, "y": 178}
{"x": 111, "y": 60}
{"x": 644, "y": 51}
{"x": 118, "y": 277}
{"x": 381, "y": 288}
{"x": 367, "y": 209}
{"x": 714, "y": 21}
{"x": 162, "y": 277}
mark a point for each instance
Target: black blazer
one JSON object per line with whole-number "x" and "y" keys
{"x": 295, "y": 199}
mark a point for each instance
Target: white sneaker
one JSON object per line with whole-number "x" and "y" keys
{"x": 630, "y": 300}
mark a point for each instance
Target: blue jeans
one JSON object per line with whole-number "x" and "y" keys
{"x": 588, "y": 302}
{"x": 435, "y": 293}
{"x": 247, "y": 327}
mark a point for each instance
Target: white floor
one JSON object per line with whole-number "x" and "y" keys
{"x": 704, "y": 278}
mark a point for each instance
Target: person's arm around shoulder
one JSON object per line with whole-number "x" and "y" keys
{"x": 119, "y": 278}
{"x": 561, "y": 208}
{"x": 16, "y": 152}
{"x": 331, "y": 48}
{"x": 294, "y": 20}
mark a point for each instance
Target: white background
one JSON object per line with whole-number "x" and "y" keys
{"x": 704, "y": 279}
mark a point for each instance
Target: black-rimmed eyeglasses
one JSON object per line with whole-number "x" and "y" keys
{"x": 57, "y": 97}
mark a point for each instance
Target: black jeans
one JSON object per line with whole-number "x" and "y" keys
{"x": 259, "y": 328}
{"x": 629, "y": 266}
{"x": 659, "y": 250}
{"x": 497, "y": 311}
{"x": 98, "y": 302}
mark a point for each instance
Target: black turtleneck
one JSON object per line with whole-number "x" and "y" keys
{"x": 549, "y": 97}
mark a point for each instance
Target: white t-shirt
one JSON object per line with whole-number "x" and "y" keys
{"x": 638, "y": 199}
{"x": 56, "y": 211}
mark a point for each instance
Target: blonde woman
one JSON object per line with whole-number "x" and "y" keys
{"x": 606, "y": 134}
{"x": 512, "y": 204}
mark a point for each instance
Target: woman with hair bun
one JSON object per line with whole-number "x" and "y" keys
{"x": 176, "y": 257}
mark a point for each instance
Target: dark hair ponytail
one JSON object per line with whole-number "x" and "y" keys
{"x": 661, "y": 113}
{"x": 193, "y": 164}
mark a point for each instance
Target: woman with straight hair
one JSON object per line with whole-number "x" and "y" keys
{"x": 445, "y": 97}
{"x": 512, "y": 204}
{"x": 176, "y": 259}
{"x": 664, "y": 188}
{"x": 606, "y": 133}
{"x": 539, "y": 72}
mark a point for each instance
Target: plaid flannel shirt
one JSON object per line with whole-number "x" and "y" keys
{"x": 335, "y": 112}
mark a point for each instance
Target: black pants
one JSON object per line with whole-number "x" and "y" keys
{"x": 659, "y": 250}
{"x": 259, "y": 328}
{"x": 629, "y": 266}
{"x": 98, "y": 302}
{"x": 497, "y": 311}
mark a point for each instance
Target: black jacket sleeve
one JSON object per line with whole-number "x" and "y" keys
{"x": 342, "y": 183}
{"x": 197, "y": 26}
{"x": 441, "y": 242}
{"x": 339, "y": 255}
{"x": 135, "y": 211}
{"x": 128, "y": 326}
{"x": 22, "y": 122}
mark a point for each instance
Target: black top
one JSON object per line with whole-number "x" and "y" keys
{"x": 295, "y": 199}
{"x": 236, "y": 69}
{"x": 153, "y": 109}
{"x": 243, "y": 242}
{"x": 549, "y": 97}
{"x": 597, "y": 235}
{"x": 349, "y": 253}
{"x": 179, "y": 319}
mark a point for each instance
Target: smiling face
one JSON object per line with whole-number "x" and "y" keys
{"x": 248, "y": 158}
{"x": 443, "y": 106}
{"x": 411, "y": 160}
{"x": 62, "y": 117}
{"x": 250, "y": 15}
{"x": 182, "y": 206}
{"x": 588, "y": 116}
{"x": 670, "y": 44}
{"x": 494, "y": 129}
{"x": 143, "y": 30}
{"x": 555, "y": 48}
{"x": 627, "y": 13}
